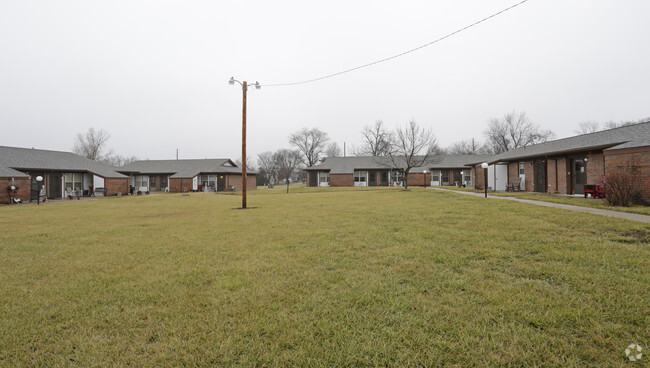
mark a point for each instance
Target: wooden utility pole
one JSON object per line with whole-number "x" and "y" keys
{"x": 243, "y": 149}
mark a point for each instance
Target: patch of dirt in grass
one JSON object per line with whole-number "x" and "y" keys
{"x": 642, "y": 237}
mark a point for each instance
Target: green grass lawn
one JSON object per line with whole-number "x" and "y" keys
{"x": 319, "y": 277}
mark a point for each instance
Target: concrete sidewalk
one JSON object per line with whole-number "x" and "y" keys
{"x": 597, "y": 211}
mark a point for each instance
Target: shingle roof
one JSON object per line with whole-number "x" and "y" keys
{"x": 183, "y": 168}
{"x": 347, "y": 165}
{"x": 14, "y": 158}
{"x": 637, "y": 135}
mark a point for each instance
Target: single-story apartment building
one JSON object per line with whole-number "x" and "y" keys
{"x": 379, "y": 171}
{"x": 177, "y": 176}
{"x": 62, "y": 173}
{"x": 565, "y": 165}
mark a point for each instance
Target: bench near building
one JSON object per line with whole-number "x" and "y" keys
{"x": 63, "y": 174}
{"x": 178, "y": 176}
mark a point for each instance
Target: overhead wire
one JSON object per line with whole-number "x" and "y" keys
{"x": 400, "y": 54}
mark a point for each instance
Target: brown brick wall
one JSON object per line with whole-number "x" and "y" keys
{"x": 23, "y": 192}
{"x": 479, "y": 177}
{"x": 236, "y": 181}
{"x": 342, "y": 180}
{"x": 551, "y": 175}
{"x": 176, "y": 184}
{"x": 116, "y": 185}
{"x": 563, "y": 176}
{"x": 513, "y": 171}
{"x": 640, "y": 157}
{"x": 416, "y": 179}
{"x": 595, "y": 167}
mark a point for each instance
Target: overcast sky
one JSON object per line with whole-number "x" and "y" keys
{"x": 154, "y": 74}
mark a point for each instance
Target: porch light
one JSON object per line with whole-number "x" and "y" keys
{"x": 39, "y": 180}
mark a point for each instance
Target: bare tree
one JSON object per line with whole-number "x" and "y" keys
{"x": 287, "y": 161}
{"x": 514, "y": 131}
{"x": 467, "y": 147}
{"x": 587, "y": 127}
{"x": 119, "y": 160}
{"x": 333, "y": 150}
{"x": 376, "y": 140}
{"x": 311, "y": 144}
{"x": 92, "y": 145}
{"x": 250, "y": 165}
{"x": 268, "y": 165}
{"x": 412, "y": 146}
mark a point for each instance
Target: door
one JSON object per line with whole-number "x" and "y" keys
{"x": 153, "y": 182}
{"x": 540, "y": 177}
{"x": 384, "y": 178}
{"x": 372, "y": 178}
{"x": 579, "y": 176}
{"x": 221, "y": 183}
{"x": 313, "y": 178}
{"x": 54, "y": 186}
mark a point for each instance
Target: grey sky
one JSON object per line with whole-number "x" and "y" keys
{"x": 154, "y": 74}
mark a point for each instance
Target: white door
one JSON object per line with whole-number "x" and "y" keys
{"x": 499, "y": 177}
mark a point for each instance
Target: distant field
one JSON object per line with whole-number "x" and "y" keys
{"x": 319, "y": 277}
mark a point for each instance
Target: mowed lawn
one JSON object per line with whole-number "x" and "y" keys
{"x": 319, "y": 278}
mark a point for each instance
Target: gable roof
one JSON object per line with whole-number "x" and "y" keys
{"x": 15, "y": 159}
{"x": 183, "y": 168}
{"x": 629, "y": 136}
{"x": 347, "y": 165}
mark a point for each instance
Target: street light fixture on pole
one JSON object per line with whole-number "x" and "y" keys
{"x": 244, "y": 86}
{"x": 39, "y": 180}
{"x": 424, "y": 178}
{"x": 485, "y": 175}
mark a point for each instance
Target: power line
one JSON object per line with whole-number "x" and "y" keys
{"x": 400, "y": 54}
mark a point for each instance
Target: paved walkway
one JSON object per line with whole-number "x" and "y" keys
{"x": 597, "y": 211}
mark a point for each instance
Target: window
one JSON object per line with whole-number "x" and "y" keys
{"x": 521, "y": 168}
{"x": 208, "y": 181}
{"x": 467, "y": 177}
{"x": 141, "y": 181}
{"x": 360, "y": 176}
{"x": 73, "y": 181}
{"x": 396, "y": 177}
{"x": 435, "y": 176}
{"x": 323, "y": 179}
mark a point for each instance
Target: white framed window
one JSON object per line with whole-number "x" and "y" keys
{"x": 396, "y": 177}
{"x": 522, "y": 169}
{"x": 73, "y": 181}
{"x": 323, "y": 179}
{"x": 360, "y": 178}
{"x": 141, "y": 182}
{"x": 435, "y": 177}
{"x": 208, "y": 181}
{"x": 467, "y": 176}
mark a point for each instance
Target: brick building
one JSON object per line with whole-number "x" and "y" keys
{"x": 63, "y": 174}
{"x": 177, "y": 176}
{"x": 564, "y": 166}
{"x": 377, "y": 171}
